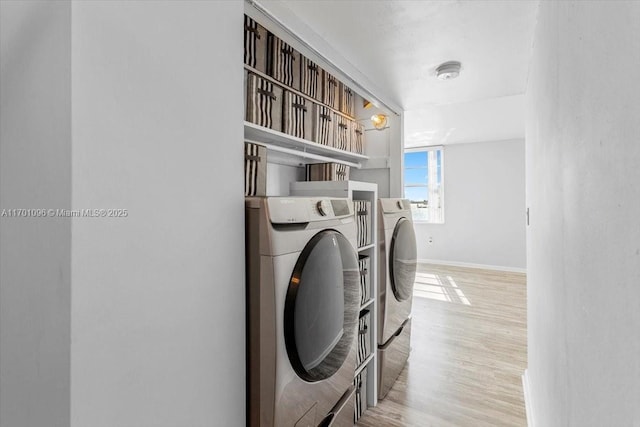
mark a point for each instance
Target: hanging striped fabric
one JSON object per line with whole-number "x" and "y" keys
{"x": 364, "y": 340}
{"x": 342, "y": 132}
{"x": 347, "y": 104}
{"x": 357, "y": 206}
{"x": 297, "y": 116}
{"x": 367, "y": 225}
{"x": 264, "y": 103}
{"x": 327, "y": 172}
{"x": 330, "y": 90}
{"x": 310, "y": 78}
{"x": 284, "y": 62}
{"x": 255, "y": 45}
{"x": 357, "y": 137}
{"x": 364, "y": 263}
{"x": 360, "y": 384}
{"x": 255, "y": 164}
{"x": 358, "y": 398}
{"x": 249, "y": 169}
{"x": 323, "y": 125}
{"x": 363, "y": 222}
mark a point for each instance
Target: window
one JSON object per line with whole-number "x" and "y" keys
{"x": 423, "y": 183}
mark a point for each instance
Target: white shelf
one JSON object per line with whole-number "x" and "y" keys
{"x": 365, "y": 363}
{"x": 333, "y": 188}
{"x": 367, "y": 303}
{"x": 299, "y": 147}
{"x": 364, "y": 248}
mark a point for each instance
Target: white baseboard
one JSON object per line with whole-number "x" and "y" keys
{"x": 470, "y": 265}
{"x": 528, "y": 403}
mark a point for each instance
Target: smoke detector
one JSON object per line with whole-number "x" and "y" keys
{"x": 448, "y": 70}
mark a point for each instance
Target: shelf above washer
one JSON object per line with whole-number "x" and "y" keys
{"x": 298, "y": 147}
{"x": 364, "y": 248}
{"x": 364, "y": 364}
{"x": 367, "y": 303}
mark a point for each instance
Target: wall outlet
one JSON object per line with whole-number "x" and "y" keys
{"x": 430, "y": 240}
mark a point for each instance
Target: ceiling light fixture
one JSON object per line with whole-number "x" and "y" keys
{"x": 379, "y": 121}
{"x": 448, "y": 70}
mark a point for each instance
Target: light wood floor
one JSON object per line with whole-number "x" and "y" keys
{"x": 469, "y": 350}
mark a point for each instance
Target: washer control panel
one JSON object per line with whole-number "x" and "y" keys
{"x": 292, "y": 210}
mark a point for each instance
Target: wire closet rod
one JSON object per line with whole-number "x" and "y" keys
{"x": 303, "y": 154}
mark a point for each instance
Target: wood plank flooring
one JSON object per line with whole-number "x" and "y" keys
{"x": 469, "y": 350}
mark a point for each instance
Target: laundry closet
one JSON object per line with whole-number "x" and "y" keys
{"x": 320, "y": 152}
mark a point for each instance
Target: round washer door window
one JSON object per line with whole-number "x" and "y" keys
{"x": 321, "y": 307}
{"x": 403, "y": 259}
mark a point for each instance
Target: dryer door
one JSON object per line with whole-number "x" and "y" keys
{"x": 403, "y": 259}
{"x": 321, "y": 307}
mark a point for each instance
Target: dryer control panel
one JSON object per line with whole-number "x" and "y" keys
{"x": 395, "y": 205}
{"x": 295, "y": 210}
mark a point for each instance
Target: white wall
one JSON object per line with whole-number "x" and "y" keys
{"x": 135, "y": 321}
{"x": 384, "y": 149}
{"x": 279, "y": 176}
{"x": 35, "y": 253}
{"x": 377, "y": 147}
{"x": 484, "y": 207}
{"x": 158, "y": 315}
{"x": 583, "y": 189}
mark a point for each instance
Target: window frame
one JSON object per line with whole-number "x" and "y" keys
{"x": 426, "y": 149}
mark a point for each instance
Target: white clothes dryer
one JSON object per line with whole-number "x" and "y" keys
{"x": 303, "y": 299}
{"x": 398, "y": 259}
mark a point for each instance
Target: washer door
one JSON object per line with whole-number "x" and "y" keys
{"x": 403, "y": 259}
{"x": 321, "y": 307}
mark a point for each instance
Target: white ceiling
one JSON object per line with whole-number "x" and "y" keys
{"x": 398, "y": 45}
{"x": 493, "y": 119}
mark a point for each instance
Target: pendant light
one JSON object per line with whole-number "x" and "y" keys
{"x": 379, "y": 121}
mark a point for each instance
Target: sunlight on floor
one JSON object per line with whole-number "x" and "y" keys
{"x": 442, "y": 288}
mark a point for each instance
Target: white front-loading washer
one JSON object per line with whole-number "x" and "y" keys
{"x": 398, "y": 261}
{"x": 303, "y": 299}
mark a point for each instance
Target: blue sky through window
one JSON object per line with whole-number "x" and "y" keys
{"x": 415, "y": 159}
{"x": 423, "y": 183}
{"x": 415, "y": 176}
{"x": 416, "y": 193}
